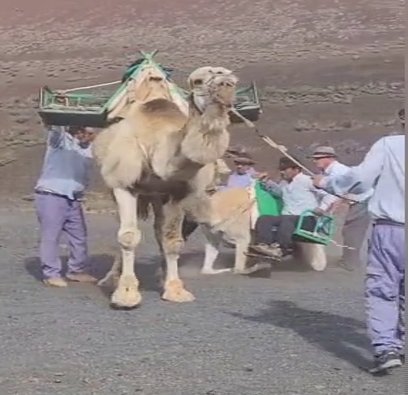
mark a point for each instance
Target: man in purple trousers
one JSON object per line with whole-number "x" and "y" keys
{"x": 383, "y": 169}
{"x": 58, "y": 194}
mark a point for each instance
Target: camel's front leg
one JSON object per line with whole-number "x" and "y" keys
{"x": 127, "y": 293}
{"x": 174, "y": 290}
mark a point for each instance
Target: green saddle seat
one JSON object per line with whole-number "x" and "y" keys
{"x": 267, "y": 204}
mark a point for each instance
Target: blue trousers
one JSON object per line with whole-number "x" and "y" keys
{"x": 59, "y": 215}
{"x": 385, "y": 288}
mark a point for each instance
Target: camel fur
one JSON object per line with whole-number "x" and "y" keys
{"x": 160, "y": 157}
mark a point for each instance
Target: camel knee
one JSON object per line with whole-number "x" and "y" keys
{"x": 172, "y": 245}
{"x": 129, "y": 238}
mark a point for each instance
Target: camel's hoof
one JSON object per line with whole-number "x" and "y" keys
{"x": 174, "y": 291}
{"x": 215, "y": 271}
{"x": 126, "y": 295}
{"x": 252, "y": 269}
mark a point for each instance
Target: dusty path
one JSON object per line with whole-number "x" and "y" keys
{"x": 329, "y": 71}
{"x": 298, "y": 332}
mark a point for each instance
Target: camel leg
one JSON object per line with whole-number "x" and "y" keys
{"x": 127, "y": 293}
{"x": 158, "y": 225}
{"x": 211, "y": 253}
{"x": 314, "y": 255}
{"x": 174, "y": 290}
{"x": 112, "y": 277}
{"x": 241, "y": 249}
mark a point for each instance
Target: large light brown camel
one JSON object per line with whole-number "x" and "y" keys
{"x": 158, "y": 156}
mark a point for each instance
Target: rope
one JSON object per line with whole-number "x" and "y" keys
{"x": 91, "y": 86}
{"x": 341, "y": 245}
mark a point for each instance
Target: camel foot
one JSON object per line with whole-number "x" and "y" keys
{"x": 214, "y": 271}
{"x": 252, "y": 269}
{"x": 174, "y": 291}
{"x": 110, "y": 279}
{"x": 126, "y": 295}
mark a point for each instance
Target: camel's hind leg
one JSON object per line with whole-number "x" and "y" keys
{"x": 172, "y": 242}
{"x": 211, "y": 253}
{"x": 127, "y": 293}
{"x": 241, "y": 249}
{"x": 158, "y": 225}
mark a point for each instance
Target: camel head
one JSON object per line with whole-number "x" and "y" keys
{"x": 150, "y": 84}
{"x": 212, "y": 85}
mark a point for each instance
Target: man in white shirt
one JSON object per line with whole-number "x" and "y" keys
{"x": 383, "y": 170}
{"x": 298, "y": 195}
{"x": 353, "y": 219}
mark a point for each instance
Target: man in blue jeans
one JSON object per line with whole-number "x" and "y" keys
{"x": 58, "y": 194}
{"x": 383, "y": 168}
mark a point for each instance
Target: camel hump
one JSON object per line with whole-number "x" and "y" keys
{"x": 161, "y": 106}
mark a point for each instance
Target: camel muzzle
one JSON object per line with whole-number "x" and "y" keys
{"x": 225, "y": 90}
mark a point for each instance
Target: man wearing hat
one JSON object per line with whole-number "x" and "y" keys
{"x": 352, "y": 219}
{"x": 298, "y": 195}
{"x": 244, "y": 172}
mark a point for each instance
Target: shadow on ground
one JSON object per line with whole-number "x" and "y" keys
{"x": 341, "y": 336}
{"x": 100, "y": 264}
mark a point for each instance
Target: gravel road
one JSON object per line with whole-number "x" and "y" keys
{"x": 297, "y": 332}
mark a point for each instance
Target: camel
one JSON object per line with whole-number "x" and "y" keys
{"x": 161, "y": 156}
{"x": 230, "y": 223}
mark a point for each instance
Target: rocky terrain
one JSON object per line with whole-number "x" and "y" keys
{"x": 327, "y": 71}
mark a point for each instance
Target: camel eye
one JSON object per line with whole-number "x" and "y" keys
{"x": 198, "y": 82}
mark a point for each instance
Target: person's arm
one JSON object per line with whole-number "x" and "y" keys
{"x": 361, "y": 178}
{"x": 326, "y": 200}
{"x": 56, "y": 136}
{"x": 272, "y": 187}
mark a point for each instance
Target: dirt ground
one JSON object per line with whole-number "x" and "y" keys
{"x": 328, "y": 71}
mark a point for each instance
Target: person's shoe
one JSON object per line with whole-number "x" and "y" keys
{"x": 386, "y": 360}
{"x": 81, "y": 277}
{"x": 55, "y": 282}
{"x": 273, "y": 250}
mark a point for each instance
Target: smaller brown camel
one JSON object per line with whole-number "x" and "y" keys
{"x": 158, "y": 157}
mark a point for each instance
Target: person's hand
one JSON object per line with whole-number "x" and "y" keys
{"x": 318, "y": 180}
{"x": 263, "y": 176}
{"x": 319, "y": 212}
